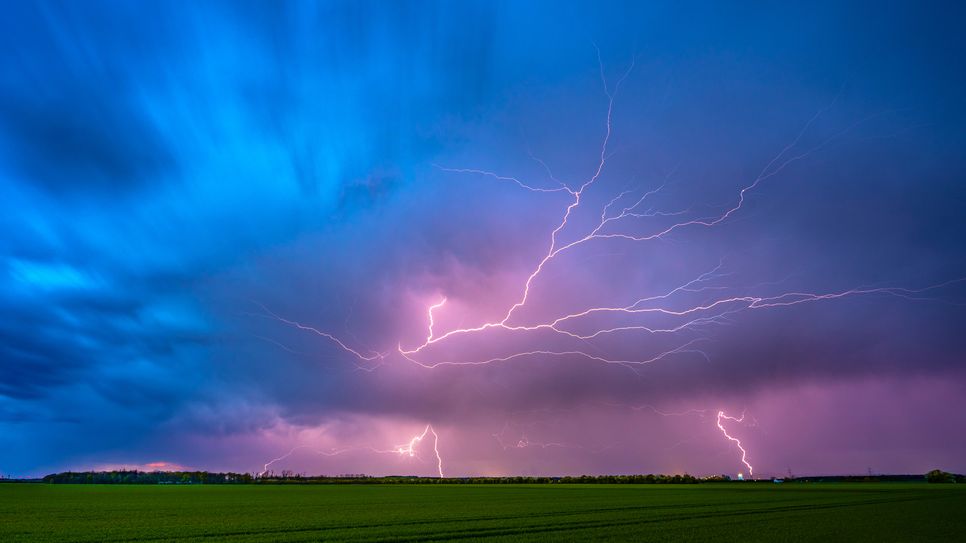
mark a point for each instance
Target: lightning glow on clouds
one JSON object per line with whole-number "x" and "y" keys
{"x": 710, "y": 312}
{"x": 288, "y": 237}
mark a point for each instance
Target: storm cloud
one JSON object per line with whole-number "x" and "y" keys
{"x": 181, "y": 183}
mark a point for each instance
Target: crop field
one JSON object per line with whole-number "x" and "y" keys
{"x": 709, "y": 512}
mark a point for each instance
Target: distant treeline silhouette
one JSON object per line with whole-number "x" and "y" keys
{"x": 205, "y": 477}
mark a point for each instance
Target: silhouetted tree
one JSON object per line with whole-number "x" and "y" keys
{"x": 939, "y": 476}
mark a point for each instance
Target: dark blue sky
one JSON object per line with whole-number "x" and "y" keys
{"x": 181, "y": 181}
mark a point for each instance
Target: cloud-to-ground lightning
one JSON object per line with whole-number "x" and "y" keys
{"x": 409, "y": 449}
{"x": 736, "y": 441}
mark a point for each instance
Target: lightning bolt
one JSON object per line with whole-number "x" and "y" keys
{"x": 736, "y": 441}
{"x": 409, "y": 449}
{"x": 568, "y": 326}
{"x": 431, "y": 322}
{"x": 506, "y": 442}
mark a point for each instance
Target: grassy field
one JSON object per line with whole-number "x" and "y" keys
{"x": 711, "y": 512}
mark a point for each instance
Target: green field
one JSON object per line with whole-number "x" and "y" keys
{"x": 709, "y": 512}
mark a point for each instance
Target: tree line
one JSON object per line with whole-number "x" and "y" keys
{"x": 204, "y": 477}
{"x": 135, "y": 477}
{"x": 228, "y": 478}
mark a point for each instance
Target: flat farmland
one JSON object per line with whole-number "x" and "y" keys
{"x": 708, "y": 512}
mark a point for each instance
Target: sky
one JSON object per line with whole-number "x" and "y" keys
{"x": 483, "y": 238}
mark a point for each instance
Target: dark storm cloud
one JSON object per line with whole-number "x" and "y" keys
{"x": 226, "y": 160}
{"x": 71, "y": 116}
{"x": 85, "y": 142}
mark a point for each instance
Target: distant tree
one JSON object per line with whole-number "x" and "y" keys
{"x": 939, "y": 476}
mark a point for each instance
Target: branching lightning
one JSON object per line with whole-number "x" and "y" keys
{"x": 622, "y": 218}
{"x": 568, "y": 326}
{"x": 408, "y": 449}
{"x": 736, "y": 441}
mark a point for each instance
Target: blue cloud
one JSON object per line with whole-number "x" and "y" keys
{"x": 167, "y": 169}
